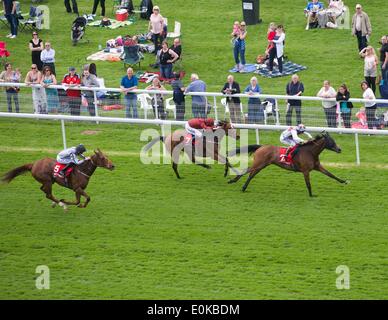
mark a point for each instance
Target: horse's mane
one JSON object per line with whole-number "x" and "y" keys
{"x": 316, "y": 138}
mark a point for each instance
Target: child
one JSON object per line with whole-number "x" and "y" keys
{"x": 236, "y": 31}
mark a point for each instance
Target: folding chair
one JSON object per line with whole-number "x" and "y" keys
{"x": 177, "y": 31}
{"x": 132, "y": 56}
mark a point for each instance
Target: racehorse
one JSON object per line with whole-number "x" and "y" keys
{"x": 42, "y": 170}
{"x": 306, "y": 159}
{"x": 205, "y": 147}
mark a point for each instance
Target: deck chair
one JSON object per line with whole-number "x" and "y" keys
{"x": 177, "y": 31}
{"x": 170, "y": 106}
{"x": 132, "y": 56}
{"x": 34, "y": 21}
{"x": 145, "y": 101}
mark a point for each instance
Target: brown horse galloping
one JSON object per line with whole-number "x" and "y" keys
{"x": 42, "y": 171}
{"x": 305, "y": 160}
{"x": 206, "y": 147}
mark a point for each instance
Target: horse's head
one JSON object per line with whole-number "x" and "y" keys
{"x": 101, "y": 160}
{"x": 229, "y": 129}
{"x": 330, "y": 144}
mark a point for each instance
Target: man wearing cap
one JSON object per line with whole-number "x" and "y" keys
{"x": 72, "y": 79}
{"x": 361, "y": 27}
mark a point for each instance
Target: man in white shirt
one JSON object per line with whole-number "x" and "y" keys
{"x": 47, "y": 56}
{"x": 330, "y": 107}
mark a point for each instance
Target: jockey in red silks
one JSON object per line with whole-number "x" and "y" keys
{"x": 197, "y": 126}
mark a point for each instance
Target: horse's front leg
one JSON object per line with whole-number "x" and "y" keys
{"x": 306, "y": 175}
{"x": 81, "y": 192}
{"x": 327, "y": 173}
{"x": 224, "y": 160}
{"x": 74, "y": 203}
{"x": 47, "y": 189}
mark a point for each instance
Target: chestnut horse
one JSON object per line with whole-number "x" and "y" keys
{"x": 209, "y": 146}
{"x": 305, "y": 160}
{"x": 42, "y": 171}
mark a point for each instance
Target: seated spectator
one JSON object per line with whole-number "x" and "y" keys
{"x": 327, "y": 18}
{"x": 89, "y": 80}
{"x": 311, "y": 12}
{"x": 177, "y": 47}
{"x": 72, "y": 79}
{"x": 157, "y": 100}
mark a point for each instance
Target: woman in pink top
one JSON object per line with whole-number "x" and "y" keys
{"x": 156, "y": 27}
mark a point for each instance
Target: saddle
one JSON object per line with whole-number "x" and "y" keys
{"x": 288, "y": 159}
{"x": 58, "y": 167}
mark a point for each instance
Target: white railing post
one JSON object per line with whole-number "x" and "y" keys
{"x": 215, "y": 108}
{"x": 155, "y": 107}
{"x": 95, "y": 101}
{"x": 257, "y": 136}
{"x": 63, "y": 134}
{"x": 357, "y": 149}
{"x": 277, "y": 112}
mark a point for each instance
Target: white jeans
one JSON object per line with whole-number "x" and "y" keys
{"x": 197, "y": 133}
{"x": 288, "y": 141}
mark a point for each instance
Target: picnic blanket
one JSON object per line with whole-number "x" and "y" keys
{"x": 147, "y": 77}
{"x": 113, "y": 55}
{"x": 247, "y": 68}
{"x": 114, "y": 24}
{"x": 289, "y": 68}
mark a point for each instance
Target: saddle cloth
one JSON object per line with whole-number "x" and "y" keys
{"x": 58, "y": 167}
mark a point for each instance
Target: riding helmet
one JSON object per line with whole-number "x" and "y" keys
{"x": 80, "y": 149}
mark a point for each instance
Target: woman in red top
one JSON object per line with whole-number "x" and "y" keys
{"x": 73, "y": 96}
{"x": 271, "y": 48}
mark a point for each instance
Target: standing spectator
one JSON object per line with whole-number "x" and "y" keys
{"x": 9, "y": 75}
{"x": 330, "y": 107}
{"x": 294, "y": 88}
{"x": 231, "y": 87}
{"x": 384, "y": 58}
{"x": 93, "y": 69}
{"x": 178, "y": 97}
{"x": 167, "y": 58}
{"x": 68, "y": 7}
{"x": 255, "y": 109}
{"x": 177, "y": 47}
{"x": 370, "y": 66}
{"x": 89, "y": 80}
{"x": 47, "y": 56}
{"x": 46, "y": 81}
{"x": 70, "y": 80}
{"x": 271, "y": 48}
{"x": 156, "y": 25}
{"x": 361, "y": 27}
{"x": 198, "y": 103}
{"x": 36, "y": 47}
{"x": 95, "y": 4}
{"x": 346, "y": 106}
{"x": 239, "y": 48}
{"x": 128, "y": 84}
{"x": 11, "y": 16}
{"x": 370, "y": 107}
{"x": 157, "y": 100}
{"x": 38, "y": 94}
{"x": 278, "y": 40}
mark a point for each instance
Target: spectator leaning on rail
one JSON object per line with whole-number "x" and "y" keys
{"x": 89, "y": 80}
{"x": 198, "y": 102}
{"x": 128, "y": 84}
{"x": 47, "y": 56}
{"x": 12, "y": 93}
{"x": 361, "y": 27}
{"x": 38, "y": 93}
{"x": 232, "y": 87}
{"x": 47, "y": 80}
{"x": 72, "y": 79}
{"x": 346, "y": 106}
{"x": 294, "y": 88}
{"x": 370, "y": 107}
{"x": 255, "y": 108}
{"x": 330, "y": 107}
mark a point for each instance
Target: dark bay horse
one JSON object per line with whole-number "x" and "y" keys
{"x": 305, "y": 160}
{"x": 209, "y": 146}
{"x": 42, "y": 171}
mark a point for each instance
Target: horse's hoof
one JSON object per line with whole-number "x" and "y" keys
{"x": 347, "y": 182}
{"x": 231, "y": 181}
{"x": 53, "y": 204}
{"x": 64, "y": 206}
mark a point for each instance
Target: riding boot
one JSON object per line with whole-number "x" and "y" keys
{"x": 62, "y": 173}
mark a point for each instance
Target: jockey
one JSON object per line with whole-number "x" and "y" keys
{"x": 70, "y": 156}
{"x": 290, "y": 136}
{"x": 197, "y": 126}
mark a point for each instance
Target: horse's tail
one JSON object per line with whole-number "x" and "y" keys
{"x": 10, "y": 175}
{"x": 247, "y": 149}
{"x": 149, "y": 145}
